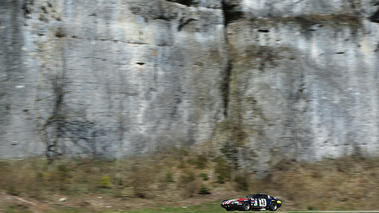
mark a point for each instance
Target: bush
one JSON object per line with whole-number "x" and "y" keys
{"x": 222, "y": 170}
{"x": 204, "y": 176}
{"x": 63, "y": 173}
{"x": 187, "y": 177}
{"x": 141, "y": 180}
{"x": 188, "y": 183}
{"x": 220, "y": 179}
{"x": 204, "y": 190}
{"x": 242, "y": 183}
{"x": 200, "y": 162}
{"x": 169, "y": 178}
{"x": 11, "y": 190}
{"x": 105, "y": 182}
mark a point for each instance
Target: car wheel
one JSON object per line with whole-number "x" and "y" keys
{"x": 245, "y": 206}
{"x": 273, "y": 206}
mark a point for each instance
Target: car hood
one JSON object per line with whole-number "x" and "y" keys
{"x": 232, "y": 200}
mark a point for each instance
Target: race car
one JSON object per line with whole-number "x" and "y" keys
{"x": 252, "y": 202}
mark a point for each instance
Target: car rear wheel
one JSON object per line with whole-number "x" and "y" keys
{"x": 273, "y": 206}
{"x": 245, "y": 206}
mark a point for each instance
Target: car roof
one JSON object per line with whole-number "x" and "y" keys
{"x": 261, "y": 194}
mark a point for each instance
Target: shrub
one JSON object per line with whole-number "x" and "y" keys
{"x": 242, "y": 183}
{"x": 200, "y": 162}
{"x": 188, "y": 183}
{"x": 105, "y": 182}
{"x": 222, "y": 170}
{"x": 230, "y": 151}
{"x": 11, "y": 190}
{"x": 169, "y": 178}
{"x": 62, "y": 174}
{"x": 220, "y": 179}
{"x": 187, "y": 177}
{"x": 141, "y": 180}
{"x": 204, "y": 176}
{"x": 312, "y": 208}
{"x": 204, "y": 190}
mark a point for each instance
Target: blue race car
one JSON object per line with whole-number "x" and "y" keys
{"x": 252, "y": 202}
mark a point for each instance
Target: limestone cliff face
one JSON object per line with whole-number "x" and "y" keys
{"x": 304, "y": 79}
{"x": 115, "y": 78}
{"x": 108, "y": 78}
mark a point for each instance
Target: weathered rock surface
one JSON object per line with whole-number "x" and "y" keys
{"x": 113, "y": 78}
{"x": 110, "y": 78}
{"x": 304, "y": 79}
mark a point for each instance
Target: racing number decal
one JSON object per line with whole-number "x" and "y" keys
{"x": 262, "y": 202}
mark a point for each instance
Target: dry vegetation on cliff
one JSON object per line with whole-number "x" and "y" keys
{"x": 32, "y": 186}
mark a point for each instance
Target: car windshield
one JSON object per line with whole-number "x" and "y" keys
{"x": 251, "y": 195}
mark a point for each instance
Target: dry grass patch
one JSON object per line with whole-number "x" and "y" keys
{"x": 341, "y": 184}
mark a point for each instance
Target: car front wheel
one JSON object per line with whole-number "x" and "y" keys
{"x": 273, "y": 206}
{"x": 245, "y": 206}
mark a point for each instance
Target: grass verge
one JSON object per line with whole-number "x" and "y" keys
{"x": 182, "y": 181}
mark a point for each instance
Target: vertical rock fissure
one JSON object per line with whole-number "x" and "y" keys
{"x": 230, "y": 149}
{"x": 231, "y": 12}
{"x": 226, "y": 84}
{"x": 229, "y": 65}
{"x": 375, "y": 17}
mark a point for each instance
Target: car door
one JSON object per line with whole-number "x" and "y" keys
{"x": 262, "y": 201}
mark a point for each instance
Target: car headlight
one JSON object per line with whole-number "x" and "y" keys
{"x": 279, "y": 201}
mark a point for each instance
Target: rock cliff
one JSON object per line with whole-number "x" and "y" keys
{"x": 263, "y": 80}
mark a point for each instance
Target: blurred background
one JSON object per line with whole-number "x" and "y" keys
{"x": 139, "y": 101}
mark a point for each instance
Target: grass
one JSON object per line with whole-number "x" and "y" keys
{"x": 209, "y": 207}
{"x": 182, "y": 182}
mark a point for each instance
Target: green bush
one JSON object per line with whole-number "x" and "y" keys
{"x": 204, "y": 190}
{"x": 62, "y": 173}
{"x": 230, "y": 151}
{"x": 204, "y": 176}
{"x": 200, "y": 162}
{"x": 222, "y": 170}
{"x": 242, "y": 183}
{"x": 141, "y": 180}
{"x": 220, "y": 179}
{"x": 169, "y": 178}
{"x": 188, "y": 184}
{"x": 11, "y": 190}
{"x": 187, "y": 177}
{"x": 105, "y": 182}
